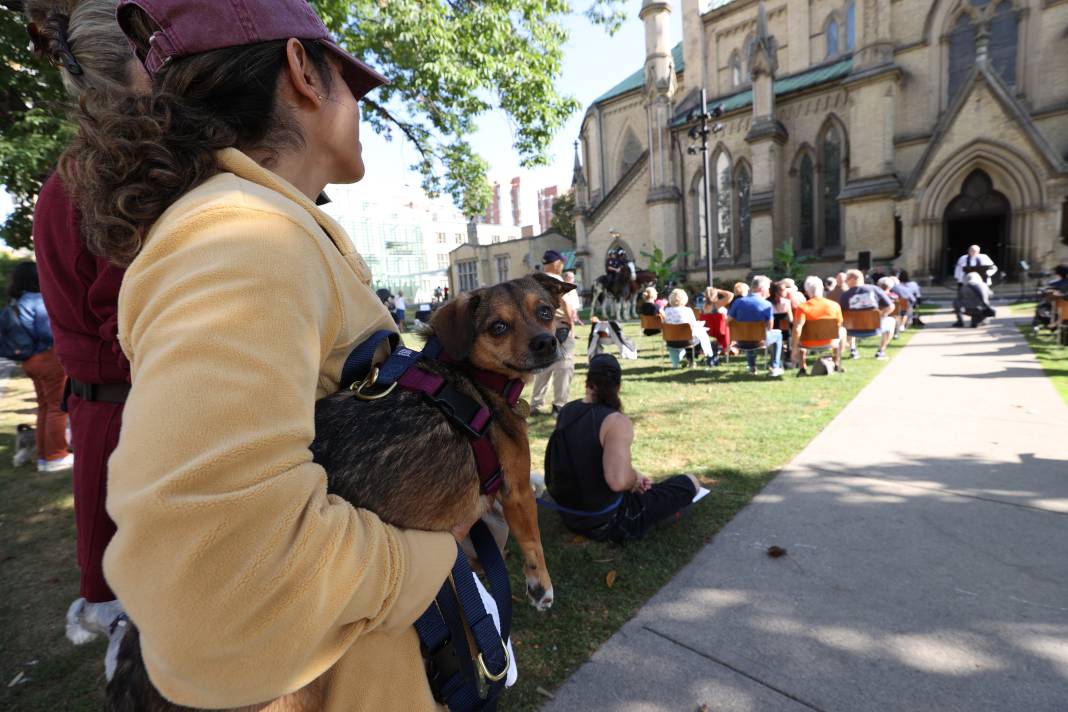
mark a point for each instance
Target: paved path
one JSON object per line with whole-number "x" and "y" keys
{"x": 927, "y": 530}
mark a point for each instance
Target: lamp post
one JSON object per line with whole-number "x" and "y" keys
{"x": 706, "y": 128}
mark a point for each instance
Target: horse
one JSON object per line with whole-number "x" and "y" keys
{"x": 618, "y": 293}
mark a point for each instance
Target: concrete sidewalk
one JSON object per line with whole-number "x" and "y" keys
{"x": 927, "y": 530}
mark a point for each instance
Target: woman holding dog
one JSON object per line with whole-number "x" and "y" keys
{"x": 240, "y": 302}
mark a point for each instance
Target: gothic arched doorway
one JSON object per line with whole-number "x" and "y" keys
{"x": 978, "y": 216}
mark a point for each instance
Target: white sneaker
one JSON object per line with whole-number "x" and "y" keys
{"x": 853, "y": 353}
{"x": 56, "y": 465}
{"x": 85, "y": 621}
{"x": 775, "y": 372}
{"x": 880, "y": 355}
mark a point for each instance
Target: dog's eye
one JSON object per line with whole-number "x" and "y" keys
{"x": 545, "y": 313}
{"x": 498, "y": 328}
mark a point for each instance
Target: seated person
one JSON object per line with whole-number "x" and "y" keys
{"x": 890, "y": 285}
{"x": 741, "y": 289}
{"x": 913, "y": 288}
{"x": 649, "y": 307}
{"x": 716, "y": 301}
{"x": 1060, "y": 285}
{"x": 588, "y": 466}
{"x": 815, "y": 308}
{"x": 840, "y": 286}
{"x": 679, "y": 313}
{"x": 861, "y": 297}
{"x": 782, "y": 313}
{"x": 973, "y": 299}
{"x": 755, "y": 307}
{"x": 828, "y": 284}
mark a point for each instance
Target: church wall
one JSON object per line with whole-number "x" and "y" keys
{"x": 1055, "y": 128}
{"x": 1052, "y": 84}
{"x": 914, "y": 103}
{"x": 630, "y": 216}
{"x": 617, "y": 118}
{"x": 907, "y": 20}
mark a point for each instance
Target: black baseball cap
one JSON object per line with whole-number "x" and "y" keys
{"x": 606, "y": 364}
{"x": 551, "y": 256}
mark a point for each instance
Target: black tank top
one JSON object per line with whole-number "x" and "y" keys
{"x": 574, "y": 463}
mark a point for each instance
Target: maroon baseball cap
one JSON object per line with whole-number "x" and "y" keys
{"x": 193, "y": 26}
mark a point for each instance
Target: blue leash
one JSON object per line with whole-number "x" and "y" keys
{"x": 457, "y": 683}
{"x": 578, "y": 512}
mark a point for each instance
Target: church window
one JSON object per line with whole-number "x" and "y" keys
{"x": 851, "y": 26}
{"x": 808, "y": 205}
{"x": 832, "y": 184}
{"x": 724, "y": 219}
{"x": 743, "y": 184}
{"x": 961, "y": 52}
{"x": 1003, "y": 38}
{"x": 736, "y": 70}
{"x": 702, "y": 220}
{"x": 632, "y": 151}
{"x": 832, "y": 38}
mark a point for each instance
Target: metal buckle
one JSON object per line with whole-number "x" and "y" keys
{"x": 486, "y": 674}
{"x": 368, "y": 382}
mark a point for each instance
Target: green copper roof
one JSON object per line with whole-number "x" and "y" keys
{"x": 636, "y": 80}
{"x": 794, "y": 82}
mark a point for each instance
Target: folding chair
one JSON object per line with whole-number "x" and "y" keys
{"x": 651, "y": 322}
{"x": 818, "y": 330}
{"x": 749, "y": 336}
{"x": 680, "y": 341}
{"x": 1062, "y": 331}
{"x": 901, "y": 313}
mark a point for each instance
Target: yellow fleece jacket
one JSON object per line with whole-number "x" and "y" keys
{"x": 246, "y": 580}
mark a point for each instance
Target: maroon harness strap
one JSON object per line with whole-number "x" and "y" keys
{"x": 476, "y": 421}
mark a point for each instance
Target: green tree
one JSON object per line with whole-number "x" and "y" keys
{"x": 33, "y": 128}
{"x": 787, "y": 263}
{"x": 563, "y": 221}
{"x": 665, "y": 269}
{"x": 449, "y": 62}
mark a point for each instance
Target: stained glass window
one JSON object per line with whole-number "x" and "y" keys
{"x": 832, "y": 38}
{"x": 961, "y": 52}
{"x": 832, "y": 184}
{"x": 1004, "y": 35}
{"x": 743, "y": 184}
{"x": 808, "y": 211}
{"x": 724, "y": 220}
{"x": 851, "y": 27}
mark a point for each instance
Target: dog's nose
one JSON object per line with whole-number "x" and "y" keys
{"x": 543, "y": 345}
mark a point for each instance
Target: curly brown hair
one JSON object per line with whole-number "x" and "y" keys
{"x": 135, "y": 155}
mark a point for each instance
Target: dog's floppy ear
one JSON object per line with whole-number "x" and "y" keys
{"x": 454, "y": 324}
{"x": 556, "y": 287}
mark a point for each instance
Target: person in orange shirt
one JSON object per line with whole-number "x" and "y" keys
{"x": 817, "y": 307}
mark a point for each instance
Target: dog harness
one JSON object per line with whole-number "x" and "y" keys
{"x": 373, "y": 382}
{"x": 463, "y": 682}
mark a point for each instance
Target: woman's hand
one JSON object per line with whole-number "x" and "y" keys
{"x": 642, "y": 484}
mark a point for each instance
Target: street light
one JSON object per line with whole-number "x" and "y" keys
{"x": 704, "y": 131}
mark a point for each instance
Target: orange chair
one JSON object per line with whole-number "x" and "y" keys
{"x": 862, "y": 323}
{"x": 818, "y": 330}
{"x": 651, "y": 322}
{"x": 749, "y": 336}
{"x": 1062, "y": 308}
{"x": 680, "y": 341}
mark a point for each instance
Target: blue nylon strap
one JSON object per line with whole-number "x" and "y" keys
{"x": 579, "y": 512}
{"x": 460, "y": 689}
{"x": 394, "y": 367}
{"x": 433, "y": 348}
{"x": 359, "y": 362}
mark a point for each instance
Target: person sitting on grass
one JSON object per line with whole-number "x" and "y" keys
{"x": 679, "y": 313}
{"x": 588, "y": 468}
{"x": 862, "y": 297}
{"x": 756, "y": 308}
{"x": 815, "y": 308}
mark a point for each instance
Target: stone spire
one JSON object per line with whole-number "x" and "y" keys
{"x": 578, "y": 181}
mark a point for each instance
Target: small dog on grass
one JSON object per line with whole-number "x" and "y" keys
{"x": 25, "y": 445}
{"x": 432, "y": 481}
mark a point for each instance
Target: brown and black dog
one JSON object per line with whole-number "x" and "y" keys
{"x": 401, "y": 458}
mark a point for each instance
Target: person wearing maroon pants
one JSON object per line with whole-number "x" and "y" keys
{"x": 81, "y": 293}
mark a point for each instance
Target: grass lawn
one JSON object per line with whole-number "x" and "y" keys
{"x": 731, "y": 429}
{"x": 1053, "y": 357}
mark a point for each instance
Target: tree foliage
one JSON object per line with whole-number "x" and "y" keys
{"x": 563, "y": 220}
{"x": 449, "y": 63}
{"x": 33, "y": 127}
{"x": 665, "y": 269}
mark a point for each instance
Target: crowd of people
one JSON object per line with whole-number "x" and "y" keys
{"x": 783, "y": 309}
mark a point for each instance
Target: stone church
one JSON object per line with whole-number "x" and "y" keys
{"x": 891, "y": 131}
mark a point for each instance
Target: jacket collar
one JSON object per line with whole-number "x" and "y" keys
{"x": 231, "y": 160}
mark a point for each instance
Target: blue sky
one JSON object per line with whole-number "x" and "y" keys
{"x": 593, "y": 62}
